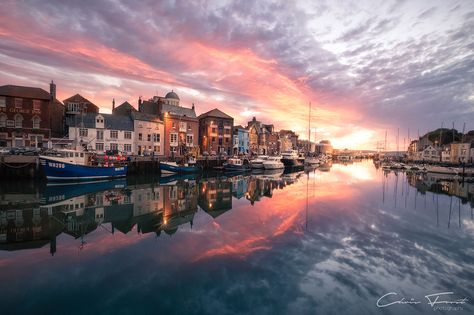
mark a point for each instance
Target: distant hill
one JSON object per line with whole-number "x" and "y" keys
{"x": 447, "y": 135}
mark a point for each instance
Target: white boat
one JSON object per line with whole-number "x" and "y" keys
{"x": 311, "y": 160}
{"x": 291, "y": 158}
{"x": 258, "y": 162}
{"x": 442, "y": 170}
{"x": 273, "y": 163}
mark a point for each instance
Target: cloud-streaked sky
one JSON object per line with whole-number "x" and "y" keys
{"x": 365, "y": 66}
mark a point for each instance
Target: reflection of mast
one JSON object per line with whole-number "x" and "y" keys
{"x": 307, "y": 195}
{"x": 450, "y": 209}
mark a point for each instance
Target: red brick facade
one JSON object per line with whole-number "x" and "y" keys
{"x": 26, "y": 115}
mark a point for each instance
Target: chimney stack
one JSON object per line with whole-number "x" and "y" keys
{"x": 113, "y": 104}
{"x": 52, "y": 90}
{"x": 193, "y": 106}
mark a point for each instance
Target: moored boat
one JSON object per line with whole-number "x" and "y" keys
{"x": 79, "y": 165}
{"x": 291, "y": 158}
{"x": 236, "y": 165}
{"x": 258, "y": 162}
{"x": 311, "y": 160}
{"x": 174, "y": 168}
{"x": 273, "y": 163}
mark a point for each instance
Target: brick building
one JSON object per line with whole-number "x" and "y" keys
{"x": 29, "y": 116}
{"x": 75, "y": 106}
{"x": 215, "y": 132}
{"x": 181, "y": 126}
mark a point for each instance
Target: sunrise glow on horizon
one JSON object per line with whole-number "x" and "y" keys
{"x": 398, "y": 66}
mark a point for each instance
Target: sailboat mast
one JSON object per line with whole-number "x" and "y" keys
{"x": 309, "y": 129}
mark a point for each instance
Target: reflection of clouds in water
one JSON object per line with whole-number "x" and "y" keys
{"x": 352, "y": 249}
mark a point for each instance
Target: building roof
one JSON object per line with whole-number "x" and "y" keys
{"x": 172, "y": 95}
{"x": 114, "y": 122}
{"x": 124, "y": 109}
{"x": 215, "y": 113}
{"x": 145, "y": 117}
{"x": 24, "y": 92}
{"x": 77, "y": 99}
{"x": 178, "y": 110}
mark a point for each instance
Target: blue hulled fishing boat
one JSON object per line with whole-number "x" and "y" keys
{"x": 79, "y": 165}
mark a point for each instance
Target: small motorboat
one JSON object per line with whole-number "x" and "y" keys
{"x": 174, "y": 168}
{"x": 273, "y": 163}
{"x": 258, "y": 162}
{"x": 311, "y": 160}
{"x": 236, "y": 165}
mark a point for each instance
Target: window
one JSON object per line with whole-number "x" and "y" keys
{"x": 220, "y": 141}
{"x": 36, "y": 122}
{"x": 36, "y": 105}
{"x": 173, "y": 137}
{"x": 149, "y": 137}
{"x": 227, "y": 131}
{"x": 156, "y": 137}
{"x": 18, "y": 103}
{"x": 156, "y": 148}
{"x": 100, "y": 120}
{"x": 189, "y": 139}
{"x": 127, "y": 135}
{"x": 99, "y": 146}
{"x": 213, "y": 130}
{"x": 173, "y": 125}
{"x": 182, "y": 126}
{"x": 113, "y": 134}
{"x": 226, "y": 140}
{"x": 83, "y": 132}
{"x": 18, "y": 120}
{"x": 140, "y": 136}
{"x": 73, "y": 107}
{"x": 100, "y": 135}
{"x": 3, "y": 120}
{"x": 3, "y": 101}
{"x": 127, "y": 147}
{"x": 113, "y": 146}
{"x": 213, "y": 139}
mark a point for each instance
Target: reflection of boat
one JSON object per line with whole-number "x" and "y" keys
{"x": 77, "y": 165}
{"x": 172, "y": 179}
{"x": 441, "y": 170}
{"x": 236, "y": 165}
{"x": 273, "y": 163}
{"x": 258, "y": 162}
{"x": 187, "y": 168}
{"x": 57, "y": 192}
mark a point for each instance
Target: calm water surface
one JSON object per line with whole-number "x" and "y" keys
{"x": 328, "y": 241}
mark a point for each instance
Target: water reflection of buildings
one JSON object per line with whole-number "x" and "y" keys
{"x": 442, "y": 184}
{"x": 33, "y": 219}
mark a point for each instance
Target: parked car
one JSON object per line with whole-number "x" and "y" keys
{"x": 4, "y": 151}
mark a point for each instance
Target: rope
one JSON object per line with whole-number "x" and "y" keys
{"x": 21, "y": 166}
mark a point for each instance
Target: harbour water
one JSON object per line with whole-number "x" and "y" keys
{"x": 333, "y": 240}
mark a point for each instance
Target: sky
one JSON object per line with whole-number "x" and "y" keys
{"x": 366, "y": 67}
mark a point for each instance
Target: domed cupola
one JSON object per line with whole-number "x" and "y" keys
{"x": 172, "y": 95}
